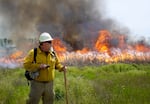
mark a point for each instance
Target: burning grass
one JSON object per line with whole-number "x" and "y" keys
{"x": 96, "y": 58}
{"x": 105, "y": 84}
{"x": 106, "y": 49}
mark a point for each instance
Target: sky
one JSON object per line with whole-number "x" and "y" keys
{"x": 134, "y": 14}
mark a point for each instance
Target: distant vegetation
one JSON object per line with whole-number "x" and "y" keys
{"x": 107, "y": 84}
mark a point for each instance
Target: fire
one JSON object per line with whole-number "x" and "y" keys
{"x": 141, "y": 48}
{"x": 59, "y": 46}
{"x": 13, "y": 60}
{"x": 103, "y": 42}
{"x": 103, "y": 52}
{"x": 16, "y": 55}
{"x": 84, "y": 50}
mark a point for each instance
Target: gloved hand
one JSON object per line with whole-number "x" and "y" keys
{"x": 64, "y": 68}
{"x": 43, "y": 66}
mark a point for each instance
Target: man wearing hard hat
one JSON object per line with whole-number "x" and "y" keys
{"x": 45, "y": 65}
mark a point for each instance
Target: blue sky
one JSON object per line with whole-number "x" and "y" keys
{"x": 134, "y": 14}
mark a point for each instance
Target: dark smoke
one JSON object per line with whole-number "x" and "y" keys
{"x": 76, "y": 22}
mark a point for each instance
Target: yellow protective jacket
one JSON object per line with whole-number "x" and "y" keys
{"x": 50, "y": 59}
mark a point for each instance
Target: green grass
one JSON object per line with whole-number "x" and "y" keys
{"x": 107, "y": 84}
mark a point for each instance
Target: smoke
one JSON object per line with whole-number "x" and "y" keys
{"x": 77, "y": 22}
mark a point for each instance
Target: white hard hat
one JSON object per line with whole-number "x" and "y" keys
{"x": 45, "y": 37}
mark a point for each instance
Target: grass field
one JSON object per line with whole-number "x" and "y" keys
{"x": 108, "y": 84}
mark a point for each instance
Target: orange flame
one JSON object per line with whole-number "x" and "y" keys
{"x": 16, "y": 55}
{"x": 103, "y": 42}
{"x": 84, "y": 50}
{"x": 141, "y": 48}
{"x": 59, "y": 46}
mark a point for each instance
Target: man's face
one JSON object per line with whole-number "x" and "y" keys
{"x": 45, "y": 46}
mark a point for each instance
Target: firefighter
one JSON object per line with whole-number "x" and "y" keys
{"x": 46, "y": 62}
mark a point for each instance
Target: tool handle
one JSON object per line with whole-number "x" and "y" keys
{"x": 65, "y": 80}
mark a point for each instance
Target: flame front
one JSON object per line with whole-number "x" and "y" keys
{"x": 103, "y": 52}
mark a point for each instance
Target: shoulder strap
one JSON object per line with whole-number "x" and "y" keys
{"x": 54, "y": 54}
{"x": 35, "y": 53}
